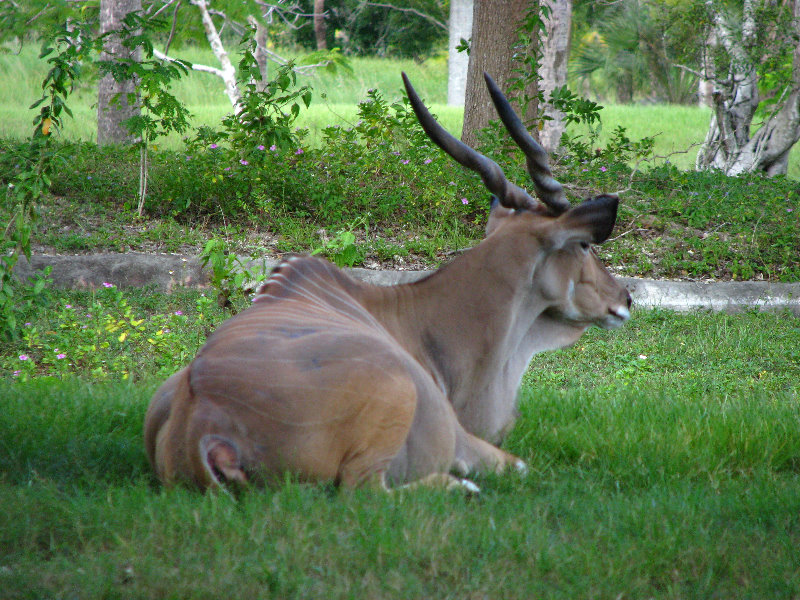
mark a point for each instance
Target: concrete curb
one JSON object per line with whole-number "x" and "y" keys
{"x": 165, "y": 272}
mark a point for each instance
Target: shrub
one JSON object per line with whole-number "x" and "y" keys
{"x": 99, "y": 335}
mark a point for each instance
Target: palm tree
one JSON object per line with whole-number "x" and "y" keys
{"x": 629, "y": 48}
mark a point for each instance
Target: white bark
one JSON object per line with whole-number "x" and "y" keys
{"x": 226, "y": 71}
{"x": 705, "y": 79}
{"x": 729, "y": 145}
{"x": 459, "y": 26}
{"x": 553, "y": 70}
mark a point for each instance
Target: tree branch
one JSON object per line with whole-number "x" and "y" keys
{"x": 174, "y": 25}
{"x": 195, "y": 66}
{"x": 37, "y": 15}
{"x": 413, "y": 11}
{"x": 227, "y": 72}
{"x": 161, "y": 9}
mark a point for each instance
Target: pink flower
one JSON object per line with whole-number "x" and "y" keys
{"x": 178, "y": 312}
{"x": 464, "y": 201}
{"x": 273, "y": 148}
{"x": 428, "y": 161}
{"x": 213, "y": 146}
{"x": 17, "y": 373}
{"x": 60, "y": 356}
{"x": 244, "y": 162}
{"x": 108, "y": 285}
{"x": 404, "y": 161}
{"x": 68, "y": 306}
{"x": 24, "y": 357}
{"x": 299, "y": 151}
{"x": 603, "y": 169}
{"x": 261, "y": 146}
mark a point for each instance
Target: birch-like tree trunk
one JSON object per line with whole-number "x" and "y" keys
{"x": 226, "y": 71}
{"x": 553, "y": 70}
{"x": 260, "y": 53}
{"x": 112, "y": 113}
{"x": 459, "y": 27}
{"x": 729, "y": 145}
{"x": 320, "y": 30}
{"x": 494, "y": 40}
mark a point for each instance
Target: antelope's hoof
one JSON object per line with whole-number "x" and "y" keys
{"x": 465, "y": 485}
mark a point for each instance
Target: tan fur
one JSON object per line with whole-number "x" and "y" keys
{"x": 327, "y": 378}
{"x": 332, "y": 379}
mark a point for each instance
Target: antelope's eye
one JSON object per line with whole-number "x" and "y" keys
{"x": 585, "y": 245}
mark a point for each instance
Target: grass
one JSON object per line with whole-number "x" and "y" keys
{"x": 335, "y": 95}
{"x": 664, "y": 457}
{"x": 678, "y": 129}
{"x": 670, "y": 476}
{"x": 676, "y": 224}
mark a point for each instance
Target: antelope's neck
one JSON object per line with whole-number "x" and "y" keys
{"x": 468, "y": 325}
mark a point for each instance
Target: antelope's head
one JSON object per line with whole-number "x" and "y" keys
{"x": 548, "y": 240}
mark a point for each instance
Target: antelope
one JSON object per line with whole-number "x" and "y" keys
{"x": 327, "y": 378}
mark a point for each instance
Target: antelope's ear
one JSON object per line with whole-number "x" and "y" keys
{"x": 497, "y": 214}
{"x": 591, "y": 221}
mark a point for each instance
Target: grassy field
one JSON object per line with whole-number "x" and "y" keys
{"x": 678, "y": 129}
{"x": 664, "y": 457}
{"x": 665, "y": 463}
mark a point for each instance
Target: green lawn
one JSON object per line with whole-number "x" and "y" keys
{"x": 664, "y": 457}
{"x": 678, "y": 129}
{"x": 665, "y": 463}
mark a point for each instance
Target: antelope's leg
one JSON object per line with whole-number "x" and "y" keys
{"x": 429, "y": 448}
{"x": 474, "y": 454}
{"x": 443, "y": 480}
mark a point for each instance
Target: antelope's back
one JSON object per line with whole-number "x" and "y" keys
{"x": 304, "y": 380}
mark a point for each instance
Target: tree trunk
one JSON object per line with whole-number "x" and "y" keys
{"x": 494, "y": 41}
{"x": 110, "y": 112}
{"x": 553, "y": 70}
{"x": 729, "y": 145}
{"x": 319, "y": 24}
{"x": 226, "y": 71}
{"x": 625, "y": 87}
{"x": 260, "y": 53}
{"x": 460, "y": 27}
{"x": 705, "y": 83}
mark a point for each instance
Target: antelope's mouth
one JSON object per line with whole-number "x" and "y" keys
{"x": 615, "y": 318}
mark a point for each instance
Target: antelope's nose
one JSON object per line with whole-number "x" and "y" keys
{"x": 621, "y": 312}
